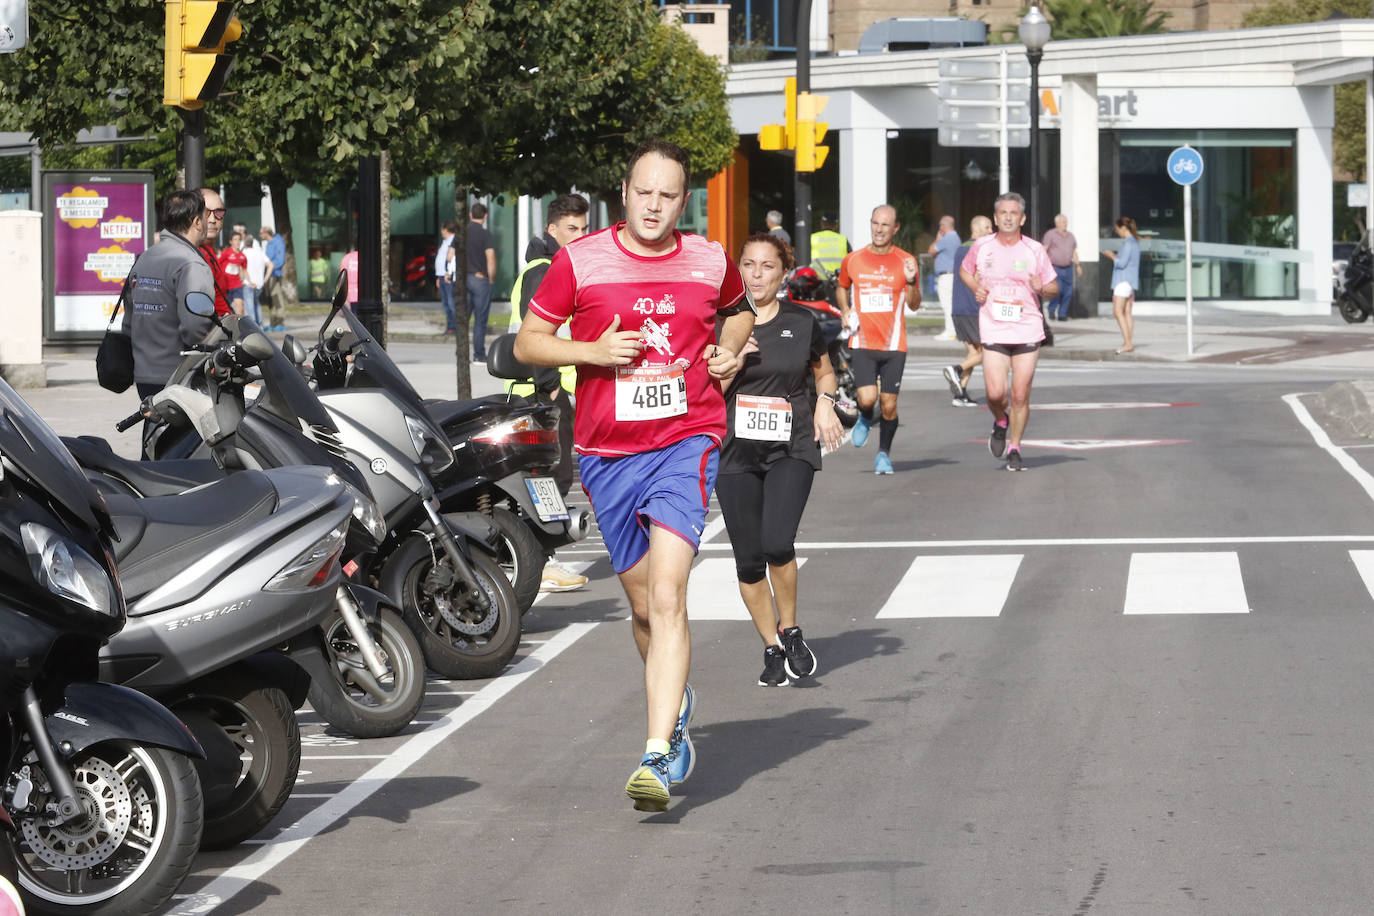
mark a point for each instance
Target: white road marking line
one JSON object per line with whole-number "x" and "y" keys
{"x": 714, "y": 527}
{"x": 1364, "y": 564}
{"x": 1082, "y": 445}
{"x": 344, "y": 756}
{"x": 1075, "y": 542}
{"x": 713, "y": 591}
{"x": 953, "y": 586}
{"x": 281, "y": 847}
{"x": 312, "y": 794}
{"x": 1319, "y": 436}
{"x": 1115, "y": 405}
{"x": 1185, "y": 583}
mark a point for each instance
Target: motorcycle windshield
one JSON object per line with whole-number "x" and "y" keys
{"x": 374, "y": 368}
{"x": 33, "y": 449}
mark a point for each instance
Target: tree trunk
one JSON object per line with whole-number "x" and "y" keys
{"x": 386, "y": 239}
{"x": 281, "y": 215}
{"x": 461, "y": 347}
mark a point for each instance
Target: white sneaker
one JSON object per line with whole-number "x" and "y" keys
{"x": 558, "y": 578}
{"x": 947, "y": 335}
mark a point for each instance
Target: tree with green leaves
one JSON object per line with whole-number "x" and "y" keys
{"x": 1348, "y": 133}
{"x": 1104, "y": 18}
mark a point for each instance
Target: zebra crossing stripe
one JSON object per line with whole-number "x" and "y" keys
{"x": 967, "y": 585}
{"x": 1185, "y": 583}
{"x": 1364, "y": 564}
{"x": 713, "y": 591}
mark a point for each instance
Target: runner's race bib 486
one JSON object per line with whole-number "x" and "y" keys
{"x": 650, "y": 392}
{"x": 763, "y": 419}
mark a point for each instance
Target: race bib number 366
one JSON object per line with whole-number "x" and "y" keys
{"x": 764, "y": 419}
{"x": 650, "y": 392}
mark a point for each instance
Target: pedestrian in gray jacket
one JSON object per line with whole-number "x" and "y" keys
{"x": 158, "y": 324}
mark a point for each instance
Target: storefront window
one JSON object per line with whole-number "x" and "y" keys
{"x": 1244, "y": 211}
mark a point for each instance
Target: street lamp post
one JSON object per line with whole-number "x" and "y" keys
{"x": 1034, "y": 31}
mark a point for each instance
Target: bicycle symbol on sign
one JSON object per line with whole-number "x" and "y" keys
{"x": 1185, "y": 165}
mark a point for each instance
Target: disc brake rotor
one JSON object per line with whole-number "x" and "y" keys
{"x": 93, "y": 838}
{"x": 441, "y": 584}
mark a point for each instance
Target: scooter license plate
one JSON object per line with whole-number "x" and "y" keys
{"x": 548, "y": 502}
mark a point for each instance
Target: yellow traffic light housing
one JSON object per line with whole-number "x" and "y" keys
{"x": 195, "y": 65}
{"x": 810, "y": 132}
{"x": 773, "y": 137}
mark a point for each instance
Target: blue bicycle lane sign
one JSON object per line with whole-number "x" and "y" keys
{"x": 1185, "y": 165}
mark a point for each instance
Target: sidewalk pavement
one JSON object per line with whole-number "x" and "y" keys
{"x": 74, "y": 404}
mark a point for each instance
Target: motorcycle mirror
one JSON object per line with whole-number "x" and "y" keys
{"x": 294, "y": 350}
{"x": 501, "y": 361}
{"x": 258, "y": 346}
{"x": 200, "y": 304}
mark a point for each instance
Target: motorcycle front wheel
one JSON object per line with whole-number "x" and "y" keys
{"x": 460, "y": 638}
{"x": 356, "y": 702}
{"x": 1354, "y": 305}
{"x": 130, "y": 851}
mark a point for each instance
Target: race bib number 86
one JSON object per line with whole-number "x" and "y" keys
{"x": 650, "y": 392}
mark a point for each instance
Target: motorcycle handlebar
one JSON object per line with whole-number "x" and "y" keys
{"x": 130, "y": 420}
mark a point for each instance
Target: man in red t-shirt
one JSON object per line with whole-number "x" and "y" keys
{"x": 214, "y": 222}
{"x": 885, "y": 283}
{"x": 643, "y": 300}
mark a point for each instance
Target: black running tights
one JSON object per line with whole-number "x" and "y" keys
{"x": 762, "y": 511}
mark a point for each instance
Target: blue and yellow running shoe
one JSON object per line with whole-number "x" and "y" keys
{"x": 648, "y": 784}
{"x": 681, "y": 755}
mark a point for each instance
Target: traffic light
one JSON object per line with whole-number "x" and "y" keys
{"x": 810, "y": 132}
{"x": 194, "y": 63}
{"x": 789, "y": 109}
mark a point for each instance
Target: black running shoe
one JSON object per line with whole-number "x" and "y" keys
{"x": 1014, "y": 462}
{"x": 964, "y": 400}
{"x": 774, "y": 668}
{"x": 952, "y": 377}
{"x": 997, "y": 442}
{"x": 801, "y": 661}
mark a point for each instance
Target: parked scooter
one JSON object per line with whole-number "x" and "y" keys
{"x": 454, "y": 596}
{"x": 366, "y": 669}
{"x": 1355, "y": 300}
{"x": 454, "y": 600}
{"x": 99, "y": 780}
{"x": 505, "y": 448}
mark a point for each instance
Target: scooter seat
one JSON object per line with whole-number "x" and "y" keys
{"x": 161, "y": 535}
{"x": 454, "y": 413}
{"x": 146, "y": 478}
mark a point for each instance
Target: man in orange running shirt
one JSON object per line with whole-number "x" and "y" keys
{"x": 884, "y": 283}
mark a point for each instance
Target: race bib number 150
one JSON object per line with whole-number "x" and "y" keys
{"x": 650, "y": 392}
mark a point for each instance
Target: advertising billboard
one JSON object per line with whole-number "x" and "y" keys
{"x": 95, "y": 224}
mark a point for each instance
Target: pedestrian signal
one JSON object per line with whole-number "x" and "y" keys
{"x": 195, "y": 65}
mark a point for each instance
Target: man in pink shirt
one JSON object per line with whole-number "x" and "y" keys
{"x": 1009, "y": 274}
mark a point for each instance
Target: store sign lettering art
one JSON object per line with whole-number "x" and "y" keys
{"x": 1113, "y": 106}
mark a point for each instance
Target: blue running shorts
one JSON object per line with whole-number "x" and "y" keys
{"x": 668, "y": 487}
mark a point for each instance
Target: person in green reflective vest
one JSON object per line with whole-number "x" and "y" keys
{"x": 828, "y": 247}
{"x": 567, "y": 222}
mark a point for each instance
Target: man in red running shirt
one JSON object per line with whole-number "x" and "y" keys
{"x": 214, "y": 222}
{"x": 877, "y": 284}
{"x": 643, "y": 300}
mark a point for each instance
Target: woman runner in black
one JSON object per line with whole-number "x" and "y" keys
{"x": 773, "y": 429}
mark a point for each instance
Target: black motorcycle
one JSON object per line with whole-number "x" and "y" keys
{"x": 815, "y": 290}
{"x": 1355, "y": 298}
{"x": 99, "y": 780}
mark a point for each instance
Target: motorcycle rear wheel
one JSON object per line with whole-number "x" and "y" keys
{"x": 144, "y": 828}
{"x": 439, "y": 618}
{"x": 261, "y": 724}
{"x": 348, "y": 702}
{"x": 520, "y": 556}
